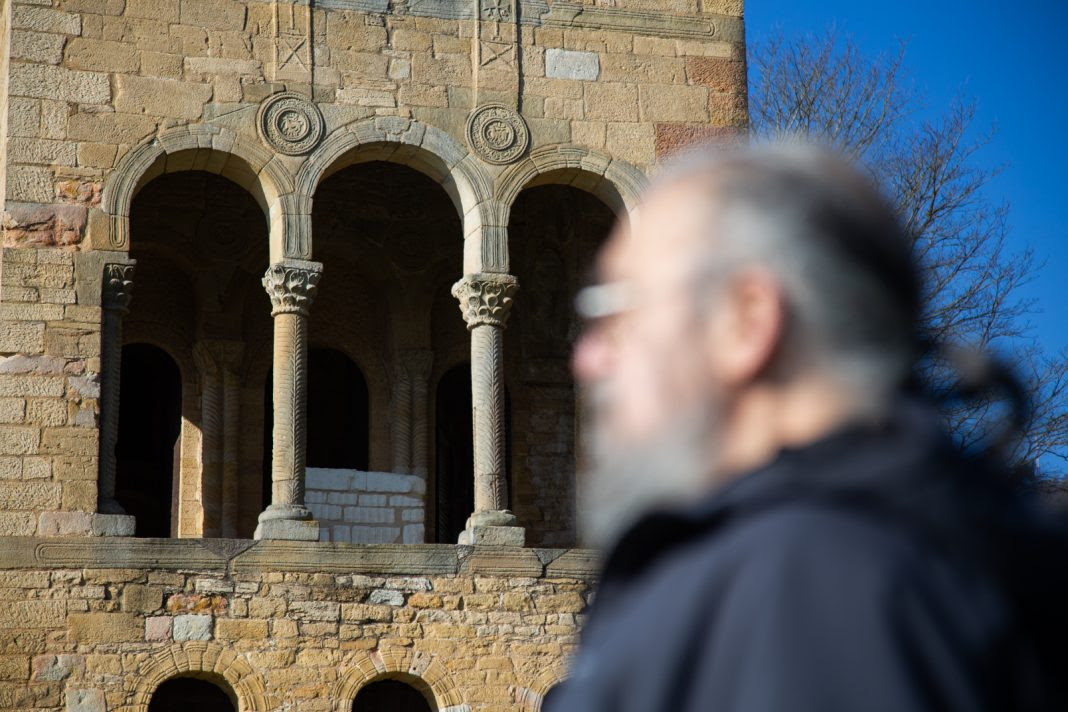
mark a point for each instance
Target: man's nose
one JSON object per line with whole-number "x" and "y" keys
{"x": 591, "y": 357}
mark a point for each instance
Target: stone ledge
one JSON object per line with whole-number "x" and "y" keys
{"x": 248, "y": 556}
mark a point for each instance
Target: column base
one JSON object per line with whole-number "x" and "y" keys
{"x": 493, "y": 536}
{"x": 288, "y": 530}
{"x": 494, "y": 528}
{"x": 289, "y": 523}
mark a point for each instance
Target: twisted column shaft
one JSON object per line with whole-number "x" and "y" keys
{"x": 115, "y": 296}
{"x": 291, "y": 285}
{"x": 485, "y": 302}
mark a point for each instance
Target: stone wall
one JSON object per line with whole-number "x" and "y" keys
{"x": 87, "y": 626}
{"x": 367, "y": 507}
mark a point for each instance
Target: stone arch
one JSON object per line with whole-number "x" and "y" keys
{"x": 200, "y": 659}
{"x": 422, "y": 147}
{"x": 616, "y": 183}
{"x": 402, "y": 664}
{"x": 216, "y": 150}
{"x": 530, "y": 698}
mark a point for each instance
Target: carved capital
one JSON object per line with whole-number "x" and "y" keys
{"x": 292, "y": 285}
{"x": 212, "y": 355}
{"x": 416, "y": 362}
{"x": 485, "y": 299}
{"x": 117, "y": 288}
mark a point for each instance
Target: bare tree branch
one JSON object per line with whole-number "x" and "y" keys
{"x": 825, "y": 88}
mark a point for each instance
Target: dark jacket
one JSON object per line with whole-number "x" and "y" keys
{"x": 873, "y": 570}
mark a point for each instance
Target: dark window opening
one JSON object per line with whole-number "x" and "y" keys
{"x": 150, "y": 405}
{"x": 454, "y": 453}
{"x": 390, "y": 696}
{"x": 338, "y": 429}
{"x": 181, "y": 694}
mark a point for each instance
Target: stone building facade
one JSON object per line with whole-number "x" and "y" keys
{"x": 242, "y": 425}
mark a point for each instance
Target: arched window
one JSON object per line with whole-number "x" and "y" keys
{"x": 150, "y": 400}
{"x": 390, "y": 696}
{"x": 338, "y": 415}
{"x": 181, "y": 694}
{"x": 454, "y": 463}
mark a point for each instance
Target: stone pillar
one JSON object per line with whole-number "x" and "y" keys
{"x": 485, "y": 301}
{"x": 115, "y": 296}
{"x": 401, "y": 421}
{"x": 291, "y": 284}
{"x": 416, "y": 363}
{"x": 217, "y": 361}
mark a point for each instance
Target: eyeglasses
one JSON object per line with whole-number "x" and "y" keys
{"x": 600, "y": 301}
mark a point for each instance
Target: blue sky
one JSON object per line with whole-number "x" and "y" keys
{"x": 1013, "y": 59}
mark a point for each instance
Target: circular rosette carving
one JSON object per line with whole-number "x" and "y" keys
{"x": 497, "y": 133}
{"x": 290, "y": 124}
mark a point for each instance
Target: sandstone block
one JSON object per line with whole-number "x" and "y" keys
{"x": 12, "y": 410}
{"x": 37, "y": 46}
{"x": 112, "y": 524}
{"x": 315, "y": 610}
{"x": 716, "y": 73}
{"x": 158, "y": 628}
{"x": 662, "y": 102}
{"x": 15, "y": 667}
{"x": 32, "y": 614}
{"x": 22, "y": 337}
{"x": 44, "y": 19}
{"x": 37, "y": 150}
{"x": 213, "y": 14}
{"x": 164, "y": 10}
{"x": 104, "y": 627}
{"x": 213, "y": 66}
{"x": 30, "y": 184}
{"x": 160, "y": 64}
{"x": 23, "y": 116}
{"x": 102, "y": 55}
{"x": 611, "y": 102}
{"x": 53, "y": 668}
{"x": 58, "y": 83}
{"x": 65, "y": 524}
{"x": 571, "y": 64}
{"x": 240, "y": 629}
{"x": 160, "y": 97}
{"x": 17, "y": 524}
{"x": 86, "y": 701}
{"x": 192, "y": 627}
{"x": 18, "y": 440}
{"x": 141, "y": 599}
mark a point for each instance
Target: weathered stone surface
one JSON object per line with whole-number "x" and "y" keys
{"x": 571, "y": 64}
{"x": 160, "y": 97}
{"x": 86, "y": 701}
{"x": 104, "y": 627}
{"x": 102, "y": 55}
{"x": 47, "y": 82}
{"x": 192, "y": 627}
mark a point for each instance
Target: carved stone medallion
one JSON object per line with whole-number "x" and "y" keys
{"x": 290, "y": 124}
{"x": 497, "y": 133}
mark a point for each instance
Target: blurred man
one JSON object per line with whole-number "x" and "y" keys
{"x": 789, "y": 531}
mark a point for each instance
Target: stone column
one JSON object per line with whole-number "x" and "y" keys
{"x": 115, "y": 296}
{"x": 416, "y": 363}
{"x": 217, "y": 361}
{"x": 291, "y": 284}
{"x": 401, "y": 425}
{"x": 485, "y": 301}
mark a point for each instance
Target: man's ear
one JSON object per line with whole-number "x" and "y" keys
{"x": 748, "y": 328}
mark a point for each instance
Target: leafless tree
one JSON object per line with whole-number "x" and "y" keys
{"x": 826, "y": 88}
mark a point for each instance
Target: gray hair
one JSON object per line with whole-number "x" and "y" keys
{"x": 821, "y": 227}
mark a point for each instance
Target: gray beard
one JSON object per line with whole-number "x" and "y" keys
{"x": 625, "y": 480}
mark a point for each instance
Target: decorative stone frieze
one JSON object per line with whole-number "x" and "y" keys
{"x": 485, "y": 298}
{"x": 497, "y": 133}
{"x": 290, "y": 124}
